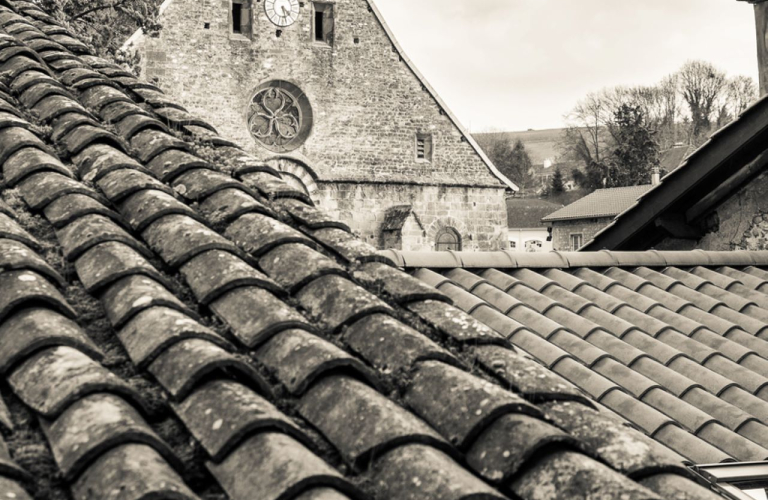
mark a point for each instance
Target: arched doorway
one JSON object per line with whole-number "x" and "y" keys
{"x": 448, "y": 239}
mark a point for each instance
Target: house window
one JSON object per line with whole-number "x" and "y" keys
{"x": 448, "y": 239}
{"x": 241, "y": 17}
{"x": 576, "y": 241}
{"x": 323, "y": 23}
{"x": 742, "y": 481}
{"x": 424, "y": 147}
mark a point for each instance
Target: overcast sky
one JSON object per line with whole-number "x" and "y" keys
{"x": 520, "y": 64}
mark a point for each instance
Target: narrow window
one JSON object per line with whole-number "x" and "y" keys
{"x": 324, "y": 23}
{"x": 424, "y": 147}
{"x": 576, "y": 242}
{"x": 448, "y": 239}
{"x": 319, "y": 14}
{"x": 237, "y": 17}
{"x": 241, "y": 17}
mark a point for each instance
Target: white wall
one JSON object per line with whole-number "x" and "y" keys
{"x": 518, "y": 238}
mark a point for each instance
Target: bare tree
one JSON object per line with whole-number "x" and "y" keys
{"x": 742, "y": 92}
{"x": 701, "y": 86}
{"x": 682, "y": 107}
{"x": 587, "y": 135}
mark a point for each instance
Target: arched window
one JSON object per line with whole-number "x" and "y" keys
{"x": 447, "y": 239}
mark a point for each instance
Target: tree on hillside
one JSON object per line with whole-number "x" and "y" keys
{"x": 660, "y": 105}
{"x": 742, "y": 92}
{"x": 634, "y": 155}
{"x": 105, "y": 24}
{"x": 557, "y": 185}
{"x": 686, "y": 106}
{"x": 512, "y": 160}
{"x": 592, "y": 176}
{"x": 702, "y": 85}
{"x": 585, "y": 138}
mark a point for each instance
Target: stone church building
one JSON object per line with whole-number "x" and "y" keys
{"x": 323, "y": 92}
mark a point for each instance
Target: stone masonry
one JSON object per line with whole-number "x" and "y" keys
{"x": 562, "y": 231}
{"x": 368, "y": 108}
{"x": 740, "y": 223}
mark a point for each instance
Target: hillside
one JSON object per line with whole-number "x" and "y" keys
{"x": 540, "y": 144}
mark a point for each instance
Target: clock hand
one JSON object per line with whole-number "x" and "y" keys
{"x": 285, "y": 11}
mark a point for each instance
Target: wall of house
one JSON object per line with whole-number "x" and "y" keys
{"x": 519, "y": 237}
{"x": 562, "y": 231}
{"x": 367, "y": 106}
{"x": 477, "y": 214}
{"x": 741, "y": 222}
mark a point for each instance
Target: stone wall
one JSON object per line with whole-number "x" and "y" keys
{"x": 368, "y": 106}
{"x": 477, "y": 214}
{"x": 562, "y": 231}
{"x": 741, "y": 222}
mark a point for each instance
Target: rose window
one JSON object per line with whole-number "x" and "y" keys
{"x": 279, "y": 116}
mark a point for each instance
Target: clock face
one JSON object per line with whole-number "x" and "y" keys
{"x": 282, "y": 12}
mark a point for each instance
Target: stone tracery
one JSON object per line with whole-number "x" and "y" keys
{"x": 279, "y": 116}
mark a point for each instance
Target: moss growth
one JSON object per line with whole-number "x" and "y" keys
{"x": 29, "y": 449}
{"x": 218, "y": 158}
{"x": 195, "y": 475}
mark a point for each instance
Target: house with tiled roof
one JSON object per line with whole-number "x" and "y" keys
{"x": 178, "y": 322}
{"x": 526, "y": 231}
{"x": 674, "y": 157}
{"x": 578, "y": 222}
{"x": 323, "y": 93}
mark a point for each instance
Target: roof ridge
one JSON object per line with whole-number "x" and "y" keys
{"x": 506, "y": 259}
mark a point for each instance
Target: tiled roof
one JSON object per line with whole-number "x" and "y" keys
{"x": 600, "y": 203}
{"x": 674, "y": 342}
{"x": 176, "y": 322}
{"x": 673, "y": 157}
{"x": 527, "y": 213}
{"x": 395, "y": 217}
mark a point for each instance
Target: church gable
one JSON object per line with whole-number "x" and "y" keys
{"x": 325, "y": 80}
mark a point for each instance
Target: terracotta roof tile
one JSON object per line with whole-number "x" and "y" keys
{"x": 362, "y": 423}
{"x": 659, "y": 345}
{"x": 199, "y": 309}
{"x": 298, "y": 358}
{"x": 601, "y": 203}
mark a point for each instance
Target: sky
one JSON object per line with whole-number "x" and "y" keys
{"x": 523, "y": 64}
